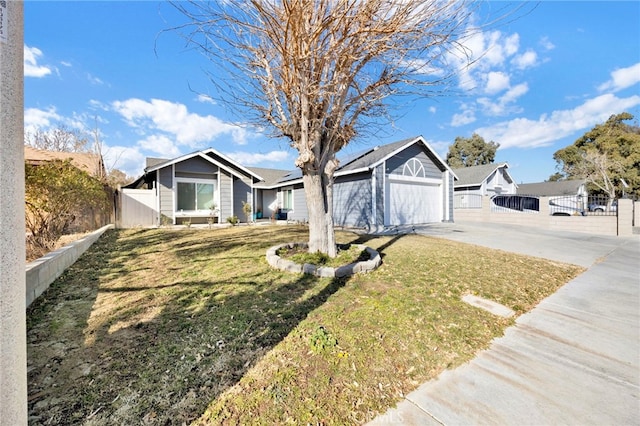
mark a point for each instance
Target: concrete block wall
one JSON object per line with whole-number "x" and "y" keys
{"x": 43, "y": 271}
{"x": 602, "y": 225}
{"x": 625, "y": 216}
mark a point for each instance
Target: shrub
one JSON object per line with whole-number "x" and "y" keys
{"x": 56, "y": 192}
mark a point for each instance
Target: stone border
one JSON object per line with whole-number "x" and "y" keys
{"x": 323, "y": 271}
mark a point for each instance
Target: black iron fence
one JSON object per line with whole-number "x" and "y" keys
{"x": 512, "y": 202}
{"x": 602, "y": 205}
{"x": 559, "y": 205}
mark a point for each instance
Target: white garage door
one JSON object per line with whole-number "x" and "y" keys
{"x": 414, "y": 202}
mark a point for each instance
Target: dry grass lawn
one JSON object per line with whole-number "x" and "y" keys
{"x": 173, "y": 326}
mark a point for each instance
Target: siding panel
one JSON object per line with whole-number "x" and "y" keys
{"x": 241, "y": 192}
{"x": 379, "y": 219}
{"x": 300, "y": 211}
{"x": 226, "y": 208}
{"x": 165, "y": 179}
{"x": 396, "y": 163}
{"x": 352, "y": 201}
{"x": 195, "y": 165}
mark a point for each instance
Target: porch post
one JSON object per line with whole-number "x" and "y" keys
{"x": 13, "y": 335}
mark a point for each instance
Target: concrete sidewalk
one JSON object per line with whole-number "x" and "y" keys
{"x": 574, "y": 359}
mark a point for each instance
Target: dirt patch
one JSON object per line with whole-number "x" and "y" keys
{"x": 33, "y": 253}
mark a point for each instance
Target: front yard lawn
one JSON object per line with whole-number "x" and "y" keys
{"x": 172, "y": 326}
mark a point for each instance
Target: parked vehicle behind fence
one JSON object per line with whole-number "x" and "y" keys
{"x": 600, "y": 207}
{"x": 566, "y": 205}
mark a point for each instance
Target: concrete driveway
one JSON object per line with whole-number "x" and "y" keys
{"x": 574, "y": 359}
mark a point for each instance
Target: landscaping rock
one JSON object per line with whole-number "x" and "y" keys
{"x": 343, "y": 271}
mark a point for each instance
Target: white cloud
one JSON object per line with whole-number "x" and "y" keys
{"x": 94, "y": 80}
{"x": 503, "y": 104}
{"x": 488, "y": 59}
{"x": 205, "y": 99}
{"x": 31, "y": 67}
{"x": 252, "y": 159}
{"x": 160, "y": 145}
{"x": 622, "y": 78}
{"x": 496, "y": 82}
{"x": 546, "y": 43}
{"x": 173, "y": 118}
{"x": 491, "y": 49}
{"x": 432, "y": 109}
{"x": 514, "y": 93}
{"x": 124, "y": 158}
{"x": 467, "y": 116}
{"x": 38, "y": 118}
{"x": 526, "y": 133}
{"x": 527, "y": 60}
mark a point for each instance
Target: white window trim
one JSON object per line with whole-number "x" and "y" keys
{"x": 413, "y": 168}
{"x": 216, "y": 197}
{"x": 427, "y": 181}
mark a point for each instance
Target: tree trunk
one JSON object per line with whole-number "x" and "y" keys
{"x": 318, "y": 189}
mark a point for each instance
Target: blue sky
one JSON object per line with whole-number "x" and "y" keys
{"x": 542, "y": 81}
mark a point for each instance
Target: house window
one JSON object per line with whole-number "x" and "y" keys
{"x": 195, "y": 196}
{"x": 287, "y": 199}
{"x": 414, "y": 168}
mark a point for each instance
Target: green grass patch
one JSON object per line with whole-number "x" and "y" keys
{"x": 177, "y": 326}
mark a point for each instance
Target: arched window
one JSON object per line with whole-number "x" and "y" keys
{"x": 414, "y": 168}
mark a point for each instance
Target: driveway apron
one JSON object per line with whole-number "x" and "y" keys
{"x": 574, "y": 359}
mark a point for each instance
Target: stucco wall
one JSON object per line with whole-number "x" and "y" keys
{"x": 592, "y": 224}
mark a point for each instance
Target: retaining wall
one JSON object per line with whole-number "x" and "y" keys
{"x": 622, "y": 224}
{"x": 42, "y": 272}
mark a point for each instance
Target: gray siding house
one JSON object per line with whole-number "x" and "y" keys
{"x": 196, "y": 188}
{"x": 401, "y": 183}
{"x": 486, "y": 179}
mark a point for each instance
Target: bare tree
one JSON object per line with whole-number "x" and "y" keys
{"x": 598, "y": 169}
{"x": 318, "y": 72}
{"x": 59, "y": 139}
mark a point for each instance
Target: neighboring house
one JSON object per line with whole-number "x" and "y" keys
{"x": 566, "y": 197}
{"x": 404, "y": 182}
{"x": 486, "y": 179}
{"x": 87, "y": 218}
{"x": 548, "y": 189}
{"x": 88, "y": 162}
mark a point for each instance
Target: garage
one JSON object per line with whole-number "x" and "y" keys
{"x": 414, "y": 201}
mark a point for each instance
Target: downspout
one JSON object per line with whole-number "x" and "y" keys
{"x": 373, "y": 220}
{"x": 447, "y": 197}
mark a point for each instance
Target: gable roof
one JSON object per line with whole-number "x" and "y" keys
{"x": 561, "y": 187}
{"x": 85, "y": 161}
{"x": 369, "y": 158}
{"x": 476, "y": 175}
{"x": 158, "y": 163}
{"x": 270, "y": 176}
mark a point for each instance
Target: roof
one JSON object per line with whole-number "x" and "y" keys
{"x": 270, "y": 176}
{"x": 476, "y": 175}
{"x": 152, "y": 161}
{"x": 86, "y": 161}
{"x": 355, "y": 163}
{"x": 561, "y": 187}
{"x": 371, "y": 157}
{"x": 154, "y": 164}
